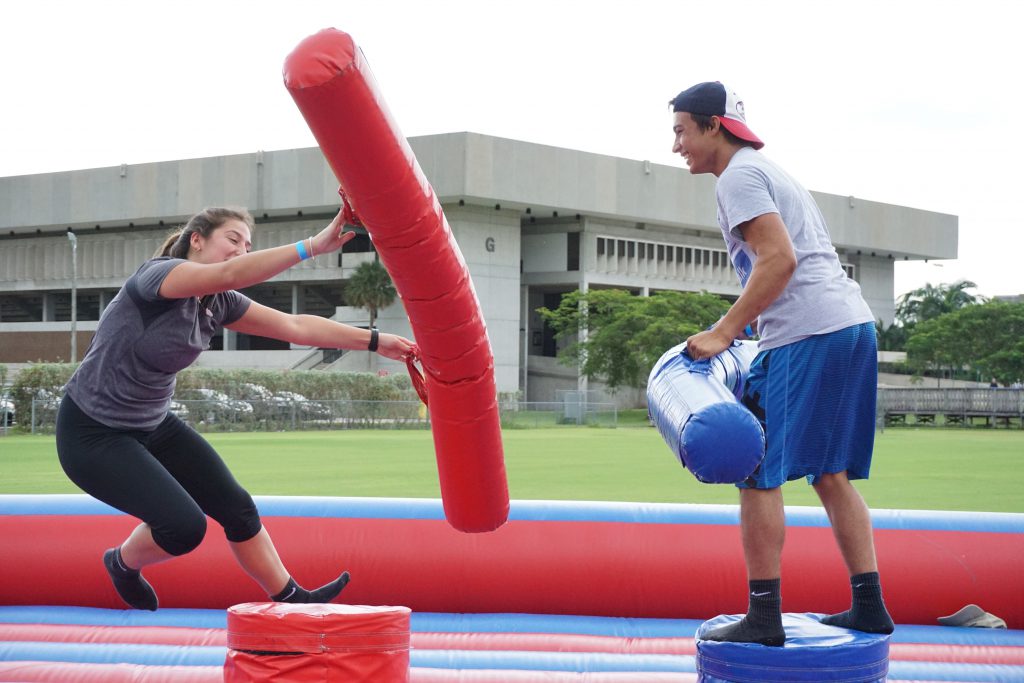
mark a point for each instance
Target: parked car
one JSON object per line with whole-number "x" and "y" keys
{"x": 215, "y": 406}
{"x": 309, "y": 409}
{"x": 45, "y": 403}
{"x": 266, "y": 406}
{"x": 279, "y": 406}
{"x": 6, "y": 412}
{"x": 179, "y": 409}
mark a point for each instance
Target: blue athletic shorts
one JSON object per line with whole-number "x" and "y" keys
{"x": 815, "y": 399}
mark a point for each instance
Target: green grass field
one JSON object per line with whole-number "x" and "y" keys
{"x": 930, "y": 469}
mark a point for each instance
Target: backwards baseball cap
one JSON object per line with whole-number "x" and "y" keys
{"x": 714, "y": 99}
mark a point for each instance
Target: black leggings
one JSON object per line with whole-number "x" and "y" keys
{"x": 170, "y": 478}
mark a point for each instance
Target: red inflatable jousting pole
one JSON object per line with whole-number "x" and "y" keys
{"x": 384, "y": 189}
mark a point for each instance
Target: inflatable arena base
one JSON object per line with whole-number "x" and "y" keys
{"x": 564, "y": 591}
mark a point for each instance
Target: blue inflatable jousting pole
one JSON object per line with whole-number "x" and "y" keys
{"x": 695, "y": 406}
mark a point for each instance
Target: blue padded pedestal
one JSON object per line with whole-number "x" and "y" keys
{"x": 813, "y": 652}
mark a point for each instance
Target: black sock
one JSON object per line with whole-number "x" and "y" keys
{"x": 867, "y": 612}
{"x": 129, "y": 583}
{"x": 763, "y": 623}
{"x": 293, "y": 592}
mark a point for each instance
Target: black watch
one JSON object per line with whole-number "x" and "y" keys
{"x": 374, "y": 338}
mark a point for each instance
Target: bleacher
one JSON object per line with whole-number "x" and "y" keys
{"x": 954, "y": 406}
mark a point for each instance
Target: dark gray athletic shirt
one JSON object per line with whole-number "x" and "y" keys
{"x": 126, "y": 379}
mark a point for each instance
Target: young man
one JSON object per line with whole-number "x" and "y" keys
{"x": 813, "y": 382}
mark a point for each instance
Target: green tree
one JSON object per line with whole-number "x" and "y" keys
{"x": 626, "y": 334}
{"x": 938, "y": 344}
{"x": 986, "y": 338}
{"x": 891, "y": 338}
{"x": 370, "y": 287}
{"x": 931, "y": 301}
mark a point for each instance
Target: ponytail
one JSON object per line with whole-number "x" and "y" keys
{"x": 171, "y": 246}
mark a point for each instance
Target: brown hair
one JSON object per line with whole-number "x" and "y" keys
{"x": 205, "y": 222}
{"x": 703, "y": 122}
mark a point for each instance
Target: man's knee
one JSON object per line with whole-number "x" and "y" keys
{"x": 831, "y": 481}
{"x": 833, "y": 488}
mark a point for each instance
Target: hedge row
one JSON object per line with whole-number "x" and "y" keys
{"x": 44, "y": 380}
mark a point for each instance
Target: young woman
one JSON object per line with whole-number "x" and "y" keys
{"x": 116, "y": 438}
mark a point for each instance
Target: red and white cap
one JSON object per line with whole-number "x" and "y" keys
{"x": 714, "y": 99}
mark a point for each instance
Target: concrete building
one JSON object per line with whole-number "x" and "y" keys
{"x": 532, "y": 221}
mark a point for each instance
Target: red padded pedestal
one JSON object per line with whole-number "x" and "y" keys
{"x": 285, "y": 643}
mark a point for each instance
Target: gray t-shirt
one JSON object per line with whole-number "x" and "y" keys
{"x": 126, "y": 379}
{"x": 819, "y": 297}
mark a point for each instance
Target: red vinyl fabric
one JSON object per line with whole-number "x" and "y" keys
{"x": 385, "y": 190}
{"x": 316, "y": 642}
{"x": 557, "y": 567}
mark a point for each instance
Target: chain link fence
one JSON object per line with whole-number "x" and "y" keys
{"x": 224, "y": 414}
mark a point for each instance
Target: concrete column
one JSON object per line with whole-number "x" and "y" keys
{"x": 106, "y": 297}
{"x": 524, "y": 340}
{"x": 298, "y": 306}
{"x": 230, "y": 340}
{"x": 49, "y": 307}
{"x": 581, "y": 382}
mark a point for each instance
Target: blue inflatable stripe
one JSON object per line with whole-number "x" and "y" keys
{"x": 96, "y": 616}
{"x": 550, "y": 661}
{"x": 92, "y": 653}
{"x": 54, "y": 504}
{"x": 544, "y": 511}
{"x": 621, "y": 627}
{"x": 442, "y": 622}
{"x": 938, "y": 671}
{"x": 957, "y": 635}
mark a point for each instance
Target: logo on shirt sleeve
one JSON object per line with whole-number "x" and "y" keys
{"x": 741, "y": 262}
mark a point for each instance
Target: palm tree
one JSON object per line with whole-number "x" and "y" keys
{"x": 932, "y": 301}
{"x": 891, "y": 338}
{"x": 370, "y": 287}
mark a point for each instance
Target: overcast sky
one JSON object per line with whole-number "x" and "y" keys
{"x": 905, "y": 102}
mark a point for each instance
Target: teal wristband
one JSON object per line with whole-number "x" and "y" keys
{"x": 300, "y": 247}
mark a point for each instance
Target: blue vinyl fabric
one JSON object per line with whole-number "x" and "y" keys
{"x": 544, "y": 511}
{"x": 695, "y": 406}
{"x": 813, "y": 652}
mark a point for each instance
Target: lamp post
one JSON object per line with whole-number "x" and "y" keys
{"x": 74, "y": 295}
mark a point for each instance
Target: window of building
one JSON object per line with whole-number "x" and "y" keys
{"x": 661, "y": 252}
{"x": 572, "y": 258}
{"x": 360, "y": 244}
